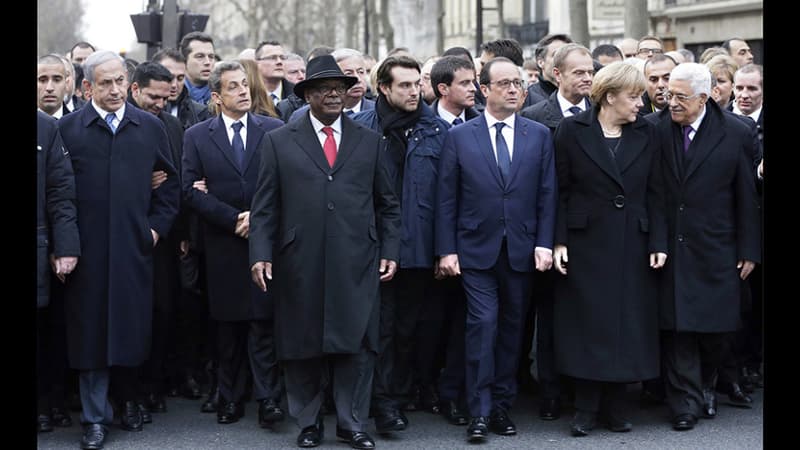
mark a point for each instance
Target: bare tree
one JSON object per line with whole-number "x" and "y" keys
{"x": 386, "y": 25}
{"x": 579, "y": 21}
{"x": 636, "y": 18}
{"x": 59, "y": 25}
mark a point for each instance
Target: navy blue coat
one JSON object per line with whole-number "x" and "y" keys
{"x": 109, "y": 296}
{"x": 207, "y": 153}
{"x": 419, "y": 183}
{"x": 473, "y": 207}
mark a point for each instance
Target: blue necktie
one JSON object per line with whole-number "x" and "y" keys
{"x": 574, "y": 110}
{"x": 275, "y": 98}
{"x": 503, "y": 156}
{"x": 457, "y": 121}
{"x": 349, "y": 112}
{"x": 110, "y": 121}
{"x": 238, "y": 143}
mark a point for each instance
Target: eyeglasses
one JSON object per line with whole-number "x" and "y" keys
{"x": 681, "y": 98}
{"x": 654, "y": 51}
{"x": 272, "y": 58}
{"x": 325, "y": 89}
{"x": 505, "y": 84}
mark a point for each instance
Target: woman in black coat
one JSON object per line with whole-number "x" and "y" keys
{"x": 610, "y": 232}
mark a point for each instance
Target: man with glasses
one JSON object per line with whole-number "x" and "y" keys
{"x": 325, "y": 214}
{"x": 715, "y": 238}
{"x": 494, "y": 219}
{"x": 198, "y": 49}
{"x": 649, "y": 46}
{"x": 271, "y": 57}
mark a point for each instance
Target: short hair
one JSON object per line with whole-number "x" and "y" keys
{"x": 724, "y": 64}
{"x": 215, "y": 79}
{"x": 399, "y": 50}
{"x": 544, "y": 43}
{"x": 82, "y": 44}
{"x": 615, "y": 78}
{"x": 651, "y": 38}
{"x": 343, "y": 53}
{"x": 319, "y": 51}
{"x": 508, "y": 48}
{"x": 711, "y": 52}
{"x": 263, "y": 43}
{"x": 294, "y": 56}
{"x": 193, "y": 36}
{"x": 97, "y": 58}
{"x": 384, "y": 76}
{"x": 460, "y": 52}
{"x": 562, "y": 53}
{"x": 698, "y": 76}
{"x": 52, "y": 58}
{"x": 485, "y": 78}
{"x": 77, "y": 75}
{"x": 149, "y": 71}
{"x": 607, "y": 50}
{"x": 688, "y": 55}
{"x": 726, "y": 44}
{"x": 443, "y": 71}
{"x": 530, "y": 64}
{"x": 752, "y": 68}
{"x": 657, "y": 58}
{"x": 171, "y": 53}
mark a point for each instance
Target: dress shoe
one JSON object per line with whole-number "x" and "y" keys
{"x": 550, "y": 409}
{"x": 311, "y": 436}
{"x": 356, "y": 439}
{"x": 190, "y": 388}
{"x": 389, "y": 420}
{"x": 616, "y": 423}
{"x": 155, "y": 403}
{"x": 269, "y": 412}
{"x": 43, "y": 423}
{"x": 60, "y": 417}
{"x": 650, "y": 398}
{"x": 429, "y": 399}
{"x": 709, "y": 403}
{"x": 131, "y": 417}
{"x": 94, "y": 436}
{"x": 478, "y": 429}
{"x": 583, "y": 423}
{"x": 500, "y": 423}
{"x": 230, "y": 412}
{"x": 684, "y": 422}
{"x": 453, "y": 413}
{"x": 736, "y": 397}
{"x": 212, "y": 402}
{"x": 146, "y": 417}
{"x": 755, "y": 376}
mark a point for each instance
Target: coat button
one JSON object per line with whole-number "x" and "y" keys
{"x": 680, "y": 207}
{"x": 502, "y": 220}
{"x": 680, "y": 238}
{"x": 330, "y": 177}
{"x": 330, "y": 206}
{"x": 619, "y": 201}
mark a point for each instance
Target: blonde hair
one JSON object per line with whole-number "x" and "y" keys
{"x": 615, "y": 78}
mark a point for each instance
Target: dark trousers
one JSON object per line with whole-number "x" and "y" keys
{"x": 351, "y": 378}
{"x": 750, "y": 339}
{"x": 684, "y": 354}
{"x": 496, "y": 301}
{"x": 95, "y": 386}
{"x": 451, "y": 379}
{"x": 233, "y": 367}
{"x": 543, "y": 298}
{"x": 51, "y": 351}
{"x": 598, "y": 396}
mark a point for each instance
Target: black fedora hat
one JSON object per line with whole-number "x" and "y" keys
{"x": 322, "y": 68}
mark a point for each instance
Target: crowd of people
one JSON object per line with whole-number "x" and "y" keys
{"x": 332, "y": 234}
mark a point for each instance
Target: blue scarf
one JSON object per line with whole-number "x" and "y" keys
{"x": 200, "y": 94}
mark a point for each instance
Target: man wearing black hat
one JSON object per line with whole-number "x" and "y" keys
{"x": 325, "y": 216}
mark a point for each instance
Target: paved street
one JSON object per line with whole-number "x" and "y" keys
{"x": 184, "y": 427}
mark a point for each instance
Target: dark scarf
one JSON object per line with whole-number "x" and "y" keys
{"x": 397, "y": 125}
{"x": 200, "y": 94}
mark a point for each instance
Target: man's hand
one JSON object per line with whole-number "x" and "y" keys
{"x": 159, "y": 176}
{"x": 437, "y": 271}
{"x": 63, "y": 266}
{"x": 155, "y": 236}
{"x": 657, "y": 260}
{"x": 387, "y": 269}
{"x": 200, "y": 185}
{"x": 448, "y": 265}
{"x": 560, "y": 258}
{"x": 261, "y": 272}
{"x": 746, "y": 266}
{"x": 184, "y": 248}
{"x": 761, "y": 168}
{"x": 243, "y": 224}
{"x": 543, "y": 258}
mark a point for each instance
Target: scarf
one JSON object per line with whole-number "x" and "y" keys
{"x": 397, "y": 126}
{"x": 200, "y": 94}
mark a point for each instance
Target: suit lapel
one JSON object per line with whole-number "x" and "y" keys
{"x": 633, "y": 143}
{"x": 520, "y": 147}
{"x": 254, "y": 135}
{"x": 665, "y": 130}
{"x": 306, "y": 138}
{"x": 219, "y": 135}
{"x": 481, "y": 132}
{"x": 351, "y": 137}
{"x": 593, "y": 143}
{"x": 705, "y": 140}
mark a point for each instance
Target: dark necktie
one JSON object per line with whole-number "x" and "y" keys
{"x": 238, "y": 143}
{"x": 686, "y": 141}
{"x": 503, "y": 156}
{"x": 110, "y": 121}
{"x": 457, "y": 121}
{"x": 349, "y": 112}
{"x": 574, "y": 110}
{"x": 330, "y": 145}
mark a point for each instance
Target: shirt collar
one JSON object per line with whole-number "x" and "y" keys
{"x": 491, "y": 120}
{"x": 699, "y": 120}
{"x": 278, "y": 90}
{"x": 336, "y": 125}
{"x": 753, "y": 115}
{"x": 447, "y": 116}
{"x": 228, "y": 121}
{"x": 120, "y": 113}
{"x": 565, "y": 104}
{"x": 56, "y": 115}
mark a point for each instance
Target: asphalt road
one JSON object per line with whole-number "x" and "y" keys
{"x": 184, "y": 427}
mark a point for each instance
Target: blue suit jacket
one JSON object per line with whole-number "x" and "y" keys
{"x": 473, "y": 207}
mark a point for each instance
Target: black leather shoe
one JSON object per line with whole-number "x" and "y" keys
{"x": 311, "y": 436}
{"x": 212, "y": 402}
{"x": 155, "y": 403}
{"x": 709, "y": 403}
{"x": 684, "y": 422}
{"x": 356, "y": 439}
{"x": 146, "y": 417}
{"x": 269, "y": 412}
{"x": 429, "y": 399}
{"x": 230, "y": 412}
{"x": 190, "y": 388}
{"x": 583, "y": 423}
{"x": 390, "y": 420}
{"x": 453, "y": 413}
{"x": 755, "y": 377}
{"x": 616, "y": 423}
{"x": 500, "y": 423}
{"x": 94, "y": 436}
{"x": 550, "y": 409}
{"x": 478, "y": 429}
{"x": 43, "y": 423}
{"x": 736, "y": 397}
{"x": 60, "y": 417}
{"x": 131, "y": 417}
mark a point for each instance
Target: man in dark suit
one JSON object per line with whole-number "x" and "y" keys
{"x": 714, "y": 234}
{"x": 115, "y": 147}
{"x": 326, "y": 216}
{"x": 656, "y": 73}
{"x": 495, "y": 219}
{"x": 453, "y": 83}
{"x": 545, "y": 51}
{"x": 222, "y": 152}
